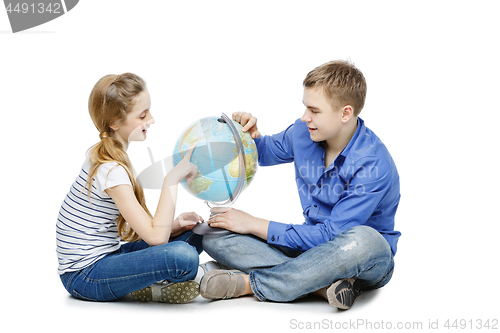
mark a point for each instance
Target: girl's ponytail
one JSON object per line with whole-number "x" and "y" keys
{"x": 110, "y": 101}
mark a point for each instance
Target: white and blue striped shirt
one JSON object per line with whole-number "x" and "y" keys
{"x": 87, "y": 231}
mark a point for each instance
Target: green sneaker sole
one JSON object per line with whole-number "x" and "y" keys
{"x": 174, "y": 293}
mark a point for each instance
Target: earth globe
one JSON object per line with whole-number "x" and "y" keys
{"x": 226, "y": 158}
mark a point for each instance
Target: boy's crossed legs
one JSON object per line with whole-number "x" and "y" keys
{"x": 282, "y": 275}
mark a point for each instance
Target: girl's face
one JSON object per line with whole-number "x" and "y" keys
{"x": 138, "y": 120}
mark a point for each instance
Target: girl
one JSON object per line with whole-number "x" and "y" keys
{"x": 105, "y": 203}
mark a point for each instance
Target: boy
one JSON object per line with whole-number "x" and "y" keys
{"x": 349, "y": 190}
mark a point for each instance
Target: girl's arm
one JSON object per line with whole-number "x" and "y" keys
{"x": 154, "y": 231}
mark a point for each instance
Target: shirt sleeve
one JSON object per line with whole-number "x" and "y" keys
{"x": 357, "y": 204}
{"x": 275, "y": 149}
{"x": 110, "y": 175}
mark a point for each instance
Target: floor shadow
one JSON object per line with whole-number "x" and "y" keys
{"x": 313, "y": 300}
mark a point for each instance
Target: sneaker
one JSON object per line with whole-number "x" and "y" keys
{"x": 222, "y": 284}
{"x": 168, "y": 292}
{"x": 342, "y": 293}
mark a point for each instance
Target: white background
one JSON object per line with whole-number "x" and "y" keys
{"x": 432, "y": 70}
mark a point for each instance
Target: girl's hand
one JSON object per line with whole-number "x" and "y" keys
{"x": 248, "y": 122}
{"x": 238, "y": 221}
{"x": 184, "y": 170}
{"x": 185, "y": 222}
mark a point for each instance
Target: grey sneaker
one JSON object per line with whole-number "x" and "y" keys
{"x": 167, "y": 292}
{"x": 222, "y": 284}
{"x": 342, "y": 293}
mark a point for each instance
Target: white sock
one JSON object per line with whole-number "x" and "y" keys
{"x": 200, "y": 274}
{"x": 211, "y": 265}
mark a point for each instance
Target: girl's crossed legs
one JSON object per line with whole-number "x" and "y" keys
{"x": 136, "y": 266}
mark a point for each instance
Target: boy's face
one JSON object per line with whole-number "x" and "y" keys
{"x": 323, "y": 120}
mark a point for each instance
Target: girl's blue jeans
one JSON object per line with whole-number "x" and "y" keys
{"x": 282, "y": 275}
{"x": 135, "y": 266}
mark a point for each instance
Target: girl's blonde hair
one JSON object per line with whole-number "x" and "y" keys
{"x": 111, "y": 99}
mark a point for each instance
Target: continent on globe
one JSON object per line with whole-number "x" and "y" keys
{"x": 199, "y": 184}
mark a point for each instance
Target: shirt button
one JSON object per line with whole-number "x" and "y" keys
{"x": 315, "y": 206}
{"x": 272, "y": 239}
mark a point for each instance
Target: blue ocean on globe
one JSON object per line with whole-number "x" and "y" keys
{"x": 216, "y": 156}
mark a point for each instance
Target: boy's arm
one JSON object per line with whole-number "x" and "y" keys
{"x": 359, "y": 203}
{"x": 275, "y": 149}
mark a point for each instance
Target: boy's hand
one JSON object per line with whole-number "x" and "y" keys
{"x": 238, "y": 221}
{"x": 248, "y": 122}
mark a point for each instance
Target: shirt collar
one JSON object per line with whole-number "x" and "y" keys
{"x": 347, "y": 148}
{"x": 339, "y": 161}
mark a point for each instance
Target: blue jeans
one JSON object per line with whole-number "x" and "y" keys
{"x": 135, "y": 266}
{"x": 280, "y": 274}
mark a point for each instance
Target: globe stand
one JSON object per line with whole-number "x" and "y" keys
{"x": 204, "y": 228}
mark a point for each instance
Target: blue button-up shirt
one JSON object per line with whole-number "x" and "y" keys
{"x": 360, "y": 187}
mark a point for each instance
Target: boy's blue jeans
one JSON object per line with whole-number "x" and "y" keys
{"x": 282, "y": 275}
{"x": 135, "y": 266}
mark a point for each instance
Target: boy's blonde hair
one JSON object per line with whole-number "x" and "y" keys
{"x": 111, "y": 99}
{"x": 342, "y": 83}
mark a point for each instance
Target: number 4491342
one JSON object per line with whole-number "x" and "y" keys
{"x": 24, "y": 8}
{"x": 471, "y": 324}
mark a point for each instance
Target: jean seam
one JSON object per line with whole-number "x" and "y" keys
{"x": 78, "y": 295}
{"x": 253, "y": 283}
{"x": 111, "y": 291}
{"x": 122, "y": 277}
{"x": 70, "y": 279}
{"x": 253, "y": 286}
{"x": 189, "y": 238}
{"x": 391, "y": 271}
{"x": 386, "y": 275}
